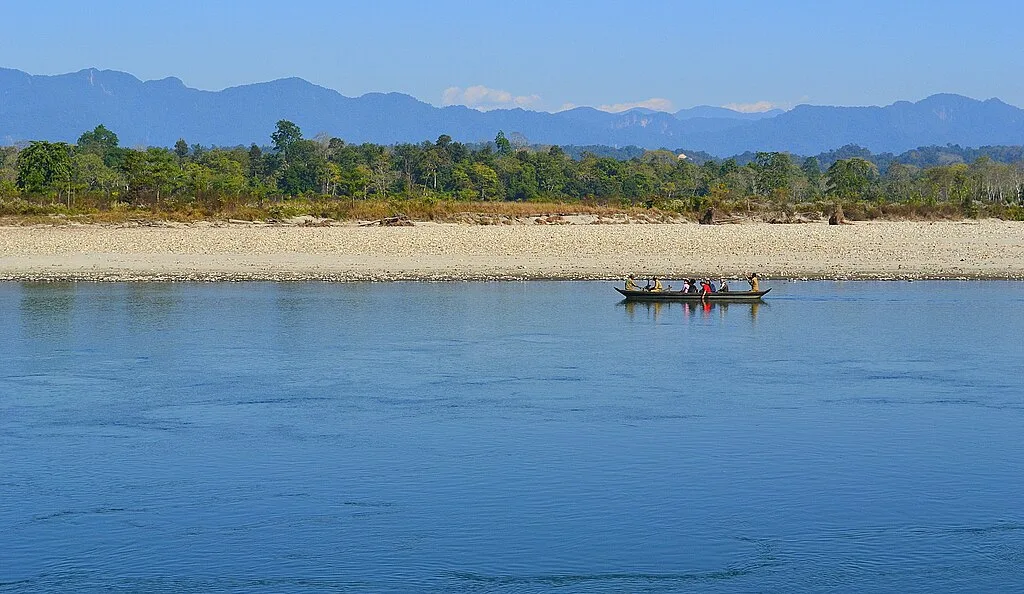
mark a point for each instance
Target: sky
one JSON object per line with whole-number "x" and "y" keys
{"x": 545, "y": 55}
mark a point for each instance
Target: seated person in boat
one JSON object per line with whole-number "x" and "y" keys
{"x": 705, "y": 287}
{"x": 724, "y": 288}
{"x": 631, "y": 285}
{"x": 753, "y": 280}
{"x": 656, "y": 287}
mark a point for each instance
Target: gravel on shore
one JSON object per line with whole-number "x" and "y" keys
{"x": 985, "y": 249}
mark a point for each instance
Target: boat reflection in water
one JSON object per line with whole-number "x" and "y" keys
{"x": 691, "y": 310}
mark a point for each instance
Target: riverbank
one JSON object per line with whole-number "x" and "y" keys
{"x": 987, "y": 249}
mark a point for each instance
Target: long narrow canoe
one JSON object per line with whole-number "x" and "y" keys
{"x": 727, "y": 296}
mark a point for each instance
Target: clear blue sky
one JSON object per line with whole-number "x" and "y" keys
{"x": 545, "y": 55}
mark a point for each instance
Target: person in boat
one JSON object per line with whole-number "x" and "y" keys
{"x": 631, "y": 284}
{"x": 705, "y": 288}
{"x": 724, "y": 288}
{"x": 653, "y": 284}
{"x": 693, "y": 286}
{"x": 753, "y": 280}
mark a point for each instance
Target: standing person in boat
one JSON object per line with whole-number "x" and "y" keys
{"x": 630, "y": 284}
{"x": 724, "y": 288}
{"x": 753, "y": 280}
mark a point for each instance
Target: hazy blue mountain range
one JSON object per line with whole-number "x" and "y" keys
{"x": 708, "y": 111}
{"x": 159, "y": 112}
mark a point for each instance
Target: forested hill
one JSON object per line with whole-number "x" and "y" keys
{"x": 159, "y": 112}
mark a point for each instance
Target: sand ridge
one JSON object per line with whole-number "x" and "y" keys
{"x": 987, "y": 249}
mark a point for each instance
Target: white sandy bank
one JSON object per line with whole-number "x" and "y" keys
{"x": 985, "y": 249}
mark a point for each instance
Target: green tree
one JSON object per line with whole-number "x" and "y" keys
{"x": 773, "y": 173}
{"x": 485, "y": 181}
{"x": 728, "y": 166}
{"x": 462, "y": 182}
{"x": 257, "y": 165}
{"x": 381, "y": 173}
{"x": 153, "y": 173}
{"x": 960, "y": 189}
{"x": 435, "y": 160}
{"x": 995, "y": 182}
{"x": 811, "y": 168}
{"x": 333, "y": 178}
{"x": 739, "y": 180}
{"x": 812, "y": 174}
{"x": 227, "y": 174}
{"x": 45, "y": 167}
{"x": 659, "y": 157}
{"x": 8, "y": 170}
{"x": 639, "y": 184}
{"x": 899, "y": 182}
{"x": 947, "y": 183}
{"x": 354, "y": 181}
{"x": 685, "y": 175}
{"x": 198, "y": 179}
{"x": 851, "y": 178}
{"x": 522, "y": 183}
{"x": 504, "y": 147}
{"x": 303, "y": 168}
{"x": 597, "y": 176}
{"x": 285, "y": 135}
{"x": 90, "y": 174}
{"x": 551, "y": 175}
{"x": 181, "y": 150}
{"x": 99, "y": 141}
{"x": 407, "y": 158}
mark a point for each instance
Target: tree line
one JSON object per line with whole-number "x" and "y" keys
{"x": 97, "y": 170}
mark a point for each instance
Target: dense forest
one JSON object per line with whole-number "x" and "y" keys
{"x": 96, "y": 174}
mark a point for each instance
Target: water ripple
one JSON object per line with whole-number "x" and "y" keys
{"x": 614, "y": 579}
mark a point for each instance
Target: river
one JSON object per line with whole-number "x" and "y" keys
{"x": 510, "y": 437}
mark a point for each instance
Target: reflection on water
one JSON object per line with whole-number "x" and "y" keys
{"x": 152, "y": 306}
{"x": 54, "y": 307}
{"x": 690, "y": 310}
{"x": 46, "y": 308}
{"x": 509, "y": 437}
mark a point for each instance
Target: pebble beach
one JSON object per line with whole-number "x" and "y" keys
{"x": 986, "y": 249}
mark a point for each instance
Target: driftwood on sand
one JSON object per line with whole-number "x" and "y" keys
{"x": 395, "y": 221}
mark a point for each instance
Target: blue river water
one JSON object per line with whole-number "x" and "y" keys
{"x": 510, "y": 437}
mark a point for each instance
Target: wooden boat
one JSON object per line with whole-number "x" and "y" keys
{"x": 720, "y": 297}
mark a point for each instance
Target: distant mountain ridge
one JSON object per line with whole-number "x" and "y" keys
{"x": 159, "y": 112}
{"x": 709, "y": 111}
